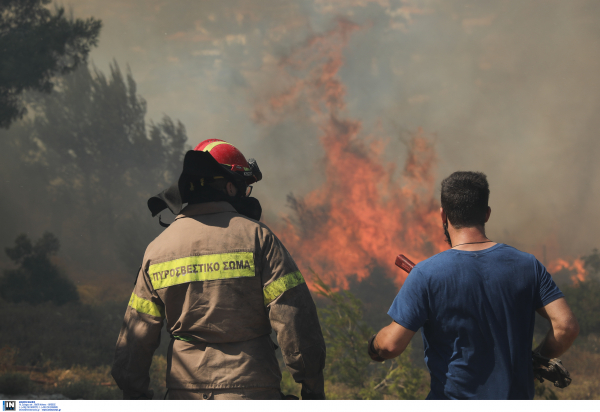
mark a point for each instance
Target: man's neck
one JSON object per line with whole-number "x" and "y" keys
{"x": 469, "y": 238}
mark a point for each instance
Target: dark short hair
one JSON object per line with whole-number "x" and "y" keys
{"x": 465, "y": 198}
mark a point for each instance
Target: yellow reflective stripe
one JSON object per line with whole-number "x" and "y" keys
{"x": 202, "y": 268}
{"x": 145, "y": 306}
{"x": 210, "y": 146}
{"x": 274, "y": 289}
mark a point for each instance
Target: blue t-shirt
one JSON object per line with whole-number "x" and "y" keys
{"x": 477, "y": 310}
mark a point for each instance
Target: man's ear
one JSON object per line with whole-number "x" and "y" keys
{"x": 488, "y": 213}
{"x": 443, "y": 216}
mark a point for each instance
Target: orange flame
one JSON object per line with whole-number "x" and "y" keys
{"x": 576, "y": 267}
{"x": 361, "y": 217}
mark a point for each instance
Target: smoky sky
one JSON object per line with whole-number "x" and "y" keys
{"x": 509, "y": 88}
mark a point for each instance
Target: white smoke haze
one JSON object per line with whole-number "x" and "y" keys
{"x": 509, "y": 88}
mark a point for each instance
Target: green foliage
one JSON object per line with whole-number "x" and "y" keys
{"x": 36, "y": 280}
{"x": 345, "y": 335}
{"x": 584, "y": 300}
{"x": 288, "y": 385}
{"x": 37, "y": 44}
{"x": 349, "y": 371}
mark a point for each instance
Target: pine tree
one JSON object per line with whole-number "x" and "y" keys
{"x": 36, "y": 45}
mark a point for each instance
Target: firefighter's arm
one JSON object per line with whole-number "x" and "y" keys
{"x": 293, "y": 316}
{"x": 138, "y": 339}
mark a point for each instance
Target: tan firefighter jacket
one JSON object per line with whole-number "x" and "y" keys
{"x": 221, "y": 281}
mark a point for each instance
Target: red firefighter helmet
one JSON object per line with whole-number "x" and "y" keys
{"x": 231, "y": 159}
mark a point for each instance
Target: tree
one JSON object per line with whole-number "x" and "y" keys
{"x": 349, "y": 371}
{"x": 35, "y": 46}
{"x": 37, "y": 279}
{"x": 98, "y": 161}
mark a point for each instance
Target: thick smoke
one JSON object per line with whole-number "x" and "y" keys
{"x": 507, "y": 88}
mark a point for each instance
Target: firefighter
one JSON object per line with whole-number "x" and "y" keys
{"x": 222, "y": 281}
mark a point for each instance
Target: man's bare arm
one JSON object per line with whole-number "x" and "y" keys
{"x": 563, "y": 328}
{"x": 392, "y": 340}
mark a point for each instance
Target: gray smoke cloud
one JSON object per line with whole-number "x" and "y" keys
{"x": 508, "y": 88}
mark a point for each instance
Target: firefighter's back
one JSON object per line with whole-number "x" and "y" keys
{"x": 206, "y": 268}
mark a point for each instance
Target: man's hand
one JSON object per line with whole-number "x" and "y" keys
{"x": 550, "y": 369}
{"x": 372, "y": 351}
{"x": 390, "y": 342}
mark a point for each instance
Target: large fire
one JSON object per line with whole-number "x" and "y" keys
{"x": 362, "y": 216}
{"x": 575, "y": 267}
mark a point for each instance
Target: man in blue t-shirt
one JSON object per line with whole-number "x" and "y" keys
{"x": 476, "y": 303}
